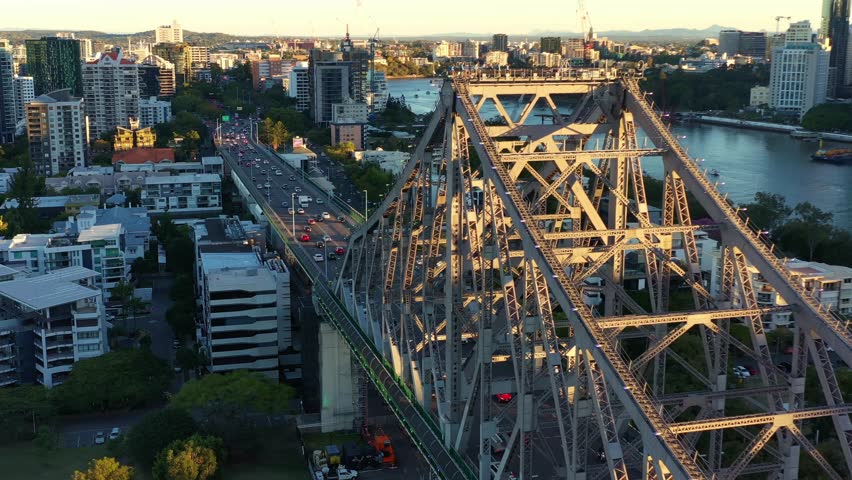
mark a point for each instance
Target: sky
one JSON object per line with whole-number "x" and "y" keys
{"x": 401, "y": 17}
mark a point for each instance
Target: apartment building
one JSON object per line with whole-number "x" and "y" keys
{"x": 179, "y": 194}
{"x": 348, "y": 120}
{"x": 246, "y": 300}
{"x": 169, "y": 33}
{"x": 8, "y": 112}
{"x": 300, "y": 86}
{"x": 799, "y": 74}
{"x": 54, "y": 63}
{"x": 111, "y": 90}
{"x": 48, "y": 322}
{"x": 24, "y": 92}
{"x": 57, "y": 132}
{"x": 153, "y": 111}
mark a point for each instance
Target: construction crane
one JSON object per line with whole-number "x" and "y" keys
{"x": 585, "y": 21}
{"x": 778, "y": 22}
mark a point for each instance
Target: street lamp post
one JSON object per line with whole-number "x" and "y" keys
{"x": 365, "y": 206}
{"x": 325, "y": 258}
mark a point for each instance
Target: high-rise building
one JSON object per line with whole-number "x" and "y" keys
{"x": 86, "y": 53}
{"x": 348, "y": 120}
{"x": 500, "y": 42}
{"x": 54, "y": 64}
{"x": 163, "y": 85}
{"x": 169, "y": 33}
{"x": 178, "y": 57}
{"x": 329, "y": 78}
{"x": 199, "y": 62}
{"x": 7, "y": 93}
{"x": 358, "y": 60}
{"x": 111, "y": 90}
{"x": 57, "y": 132}
{"x": 300, "y": 86}
{"x": 737, "y": 42}
{"x": 551, "y": 45}
{"x": 799, "y": 73}
{"x": 24, "y": 92}
{"x": 470, "y": 49}
{"x": 836, "y": 29}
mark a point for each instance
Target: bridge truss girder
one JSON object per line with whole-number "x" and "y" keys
{"x": 447, "y": 292}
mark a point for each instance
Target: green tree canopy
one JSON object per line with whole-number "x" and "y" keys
{"x": 342, "y": 152}
{"x": 248, "y": 390}
{"x": 118, "y": 379}
{"x": 157, "y": 430}
{"x": 829, "y": 117}
{"x": 24, "y": 188}
{"x": 768, "y": 210}
{"x": 195, "y": 458}
{"x": 106, "y": 468}
{"x": 22, "y": 406}
{"x": 804, "y": 233}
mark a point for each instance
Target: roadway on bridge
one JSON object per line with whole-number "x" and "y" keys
{"x": 411, "y": 464}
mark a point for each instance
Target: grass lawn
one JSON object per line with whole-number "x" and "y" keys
{"x": 279, "y": 458}
{"x": 25, "y": 461}
{"x": 316, "y": 441}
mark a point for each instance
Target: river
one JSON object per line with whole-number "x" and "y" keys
{"x": 748, "y": 161}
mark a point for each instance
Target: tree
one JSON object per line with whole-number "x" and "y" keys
{"x": 277, "y": 135}
{"x": 227, "y": 403}
{"x": 266, "y": 129}
{"x": 106, "y": 468}
{"x": 809, "y": 228}
{"x": 768, "y": 210}
{"x": 196, "y": 458}
{"x": 157, "y": 430}
{"x": 46, "y": 440}
{"x": 24, "y": 188}
{"x": 118, "y": 379}
{"x": 21, "y": 409}
{"x": 190, "y": 358}
{"x": 181, "y": 317}
{"x": 342, "y": 152}
{"x": 122, "y": 292}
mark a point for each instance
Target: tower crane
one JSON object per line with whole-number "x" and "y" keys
{"x": 778, "y": 22}
{"x": 373, "y": 42}
{"x": 586, "y": 28}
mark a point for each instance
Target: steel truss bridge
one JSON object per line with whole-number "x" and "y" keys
{"x": 472, "y": 279}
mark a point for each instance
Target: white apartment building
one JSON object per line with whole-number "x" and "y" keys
{"x": 169, "y": 33}
{"x": 111, "y": 90}
{"x": 349, "y": 111}
{"x": 799, "y": 73}
{"x": 379, "y": 94}
{"x": 54, "y": 320}
{"x": 497, "y": 58}
{"x": 107, "y": 244}
{"x": 24, "y": 92}
{"x": 226, "y": 61}
{"x": 199, "y": 60}
{"x": 57, "y": 131}
{"x": 188, "y": 193}
{"x": 246, "y": 301}
{"x": 153, "y": 111}
{"x": 300, "y": 86}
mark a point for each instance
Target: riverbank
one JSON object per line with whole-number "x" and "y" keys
{"x": 764, "y": 126}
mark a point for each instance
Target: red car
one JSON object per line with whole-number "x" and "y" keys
{"x": 311, "y": 221}
{"x": 306, "y": 238}
{"x": 503, "y": 397}
{"x": 339, "y": 251}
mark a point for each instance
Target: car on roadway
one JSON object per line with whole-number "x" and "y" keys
{"x": 332, "y": 256}
{"x": 253, "y": 178}
{"x": 285, "y": 204}
{"x": 318, "y": 257}
{"x": 114, "y": 433}
{"x": 340, "y": 218}
{"x": 291, "y": 211}
{"x": 320, "y": 201}
{"x": 306, "y": 238}
{"x": 307, "y": 228}
{"x": 259, "y": 185}
{"x": 326, "y": 238}
{"x": 100, "y": 438}
{"x": 320, "y": 244}
{"x": 263, "y": 172}
{"x": 278, "y": 173}
{"x": 311, "y": 221}
{"x": 300, "y": 210}
{"x": 326, "y": 215}
{"x": 292, "y": 177}
{"x": 503, "y": 397}
{"x": 319, "y": 218}
{"x": 297, "y": 189}
{"x": 339, "y": 251}
{"x": 267, "y": 185}
{"x": 285, "y": 187}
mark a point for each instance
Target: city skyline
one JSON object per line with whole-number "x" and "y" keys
{"x": 365, "y": 16}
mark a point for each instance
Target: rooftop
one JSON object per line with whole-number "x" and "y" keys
{"x": 184, "y": 178}
{"x": 45, "y": 291}
{"x": 239, "y": 278}
{"x": 100, "y": 232}
{"x": 137, "y": 156}
{"x": 219, "y": 230}
{"x": 70, "y": 274}
{"x": 214, "y": 262}
{"x": 819, "y": 270}
{"x": 41, "y": 202}
{"x": 57, "y": 96}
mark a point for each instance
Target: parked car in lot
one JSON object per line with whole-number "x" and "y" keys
{"x": 115, "y": 433}
{"x": 100, "y": 438}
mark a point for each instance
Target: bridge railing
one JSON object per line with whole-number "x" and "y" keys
{"x": 837, "y": 324}
{"x": 417, "y": 422}
{"x": 638, "y": 390}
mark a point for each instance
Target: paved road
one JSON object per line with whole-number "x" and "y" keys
{"x": 79, "y": 431}
{"x": 282, "y": 189}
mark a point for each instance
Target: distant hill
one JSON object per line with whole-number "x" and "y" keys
{"x": 198, "y": 38}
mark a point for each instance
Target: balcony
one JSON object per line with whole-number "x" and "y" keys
{"x": 6, "y": 380}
